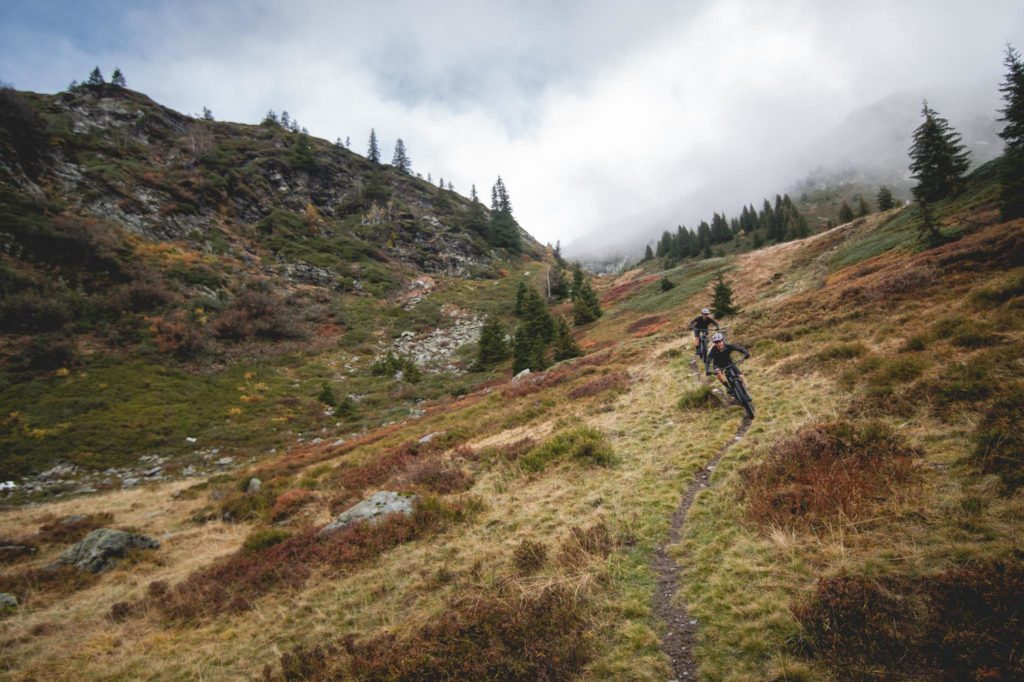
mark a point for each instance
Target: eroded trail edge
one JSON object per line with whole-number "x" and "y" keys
{"x": 681, "y": 630}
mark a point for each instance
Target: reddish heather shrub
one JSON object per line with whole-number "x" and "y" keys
{"x": 257, "y": 313}
{"x": 479, "y": 637}
{"x": 617, "y": 380}
{"x": 72, "y": 528}
{"x": 439, "y": 477}
{"x": 826, "y": 473}
{"x": 176, "y": 336}
{"x": 378, "y": 470}
{"x": 581, "y": 545}
{"x": 513, "y": 450}
{"x": 290, "y": 502}
{"x": 58, "y": 581}
{"x": 529, "y": 556}
{"x": 962, "y": 624}
{"x": 232, "y": 585}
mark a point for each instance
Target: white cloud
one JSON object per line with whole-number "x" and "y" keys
{"x": 618, "y": 116}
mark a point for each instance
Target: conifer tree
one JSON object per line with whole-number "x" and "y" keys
{"x": 401, "y": 160}
{"x": 373, "y": 151}
{"x": 928, "y": 231}
{"x": 758, "y": 240}
{"x": 473, "y": 196}
{"x": 95, "y": 77}
{"x": 667, "y": 284}
{"x": 862, "y": 207}
{"x": 520, "y": 299}
{"x": 564, "y": 346}
{"x": 648, "y": 254}
{"x": 937, "y": 159}
{"x": 207, "y": 114}
{"x": 286, "y": 120}
{"x": 559, "y": 287}
{"x": 118, "y": 78}
{"x": 348, "y": 142}
{"x": 492, "y": 348}
{"x": 577, "y": 280}
{"x": 558, "y": 253}
{"x": 845, "y": 213}
{"x": 1011, "y": 194}
{"x": 270, "y": 119}
{"x": 885, "y": 200}
{"x": 722, "y": 302}
{"x": 301, "y": 154}
{"x": 585, "y": 308}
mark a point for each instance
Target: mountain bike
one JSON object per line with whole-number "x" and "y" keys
{"x": 739, "y": 390}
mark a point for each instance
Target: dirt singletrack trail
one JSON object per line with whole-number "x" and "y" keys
{"x": 681, "y": 630}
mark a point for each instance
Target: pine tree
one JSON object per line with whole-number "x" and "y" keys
{"x": 585, "y": 307}
{"x": 301, "y": 155}
{"x": 520, "y": 299}
{"x": 559, "y": 287}
{"x": 95, "y": 78}
{"x": 492, "y": 348}
{"x": 473, "y": 196}
{"x": 270, "y": 119}
{"x": 862, "y": 207}
{"x": 564, "y": 346}
{"x": 667, "y": 284}
{"x": 845, "y": 213}
{"x": 526, "y": 353}
{"x": 884, "y": 199}
{"x": 937, "y": 159}
{"x": 1011, "y": 194}
{"x": 648, "y": 254}
{"x": 401, "y": 160}
{"x": 207, "y": 114}
{"x": 577, "y": 280}
{"x": 118, "y": 79}
{"x": 286, "y": 120}
{"x": 504, "y": 230}
{"x": 722, "y": 302}
{"x": 373, "y": 151}
{"x": 348, "y": 142}
{"x": 758, "y": 240}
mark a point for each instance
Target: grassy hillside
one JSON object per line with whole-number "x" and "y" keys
{"x": 866, "y": 525}
{"x": 151, "y": 262}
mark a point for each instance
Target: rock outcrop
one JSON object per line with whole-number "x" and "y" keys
{"x": 373, "y": 510}
{"x": 101, "y": 549}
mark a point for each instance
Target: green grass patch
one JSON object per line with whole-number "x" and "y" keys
{"x": 583, "y": 444}
{"x": 698, "y": 398}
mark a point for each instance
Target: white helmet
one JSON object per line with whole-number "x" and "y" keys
{"x": 705, "y": 311}
{"x": 717, "y": 336}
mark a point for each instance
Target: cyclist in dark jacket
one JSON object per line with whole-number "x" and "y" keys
{"x": 701, "y": 323}
{"x": 720, "y": 356}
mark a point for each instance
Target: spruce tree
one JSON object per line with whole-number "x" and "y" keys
{"x": 586, "y": 308}
{"x": 504, "y": 230}
{"x": 95, "y": 77}
{"x": 845, "y": 213}
{"x": 937, "y": 159}
{"x": 927, "y": 231}
{"x": 559, "y": 287}
{"x": 667, "y": 284}
{"x": 565, "y": 346}
{"x": 648, "y": 254}
{"x": 1011, "y": 194}
{"x": 577, "y": 280}
{"x": 492, "y": 348}
{"x": 473, "y": 196}
{"x": 118, "y": 79}
{"x": 862, "y": 207}
{"x": 207, "y": 114}
{"x": 348, "y": 142}
{"x": 301, "y": 154}
{"x": 520, "y": 299}
{"x": 521, "y": 351}
{"x": 373, "y": 151}
{"x": 722, "y": 302}
{"x": 400, "y": 160}
{"x": 884, "y": 199}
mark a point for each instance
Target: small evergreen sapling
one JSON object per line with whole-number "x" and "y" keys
{"x": 667, "y": 284}
{"x": 492, "y": 348}
{"x": 95, "y": 77}
{"x": 722, "y": 302}
{"x": 885, "y": 200}
{"x": 845, "y": 213}
{"x": 565, "y": 346}
{"x": 118, "y": 79}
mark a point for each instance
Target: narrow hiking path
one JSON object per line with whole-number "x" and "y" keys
{"x": 681, "y": 630}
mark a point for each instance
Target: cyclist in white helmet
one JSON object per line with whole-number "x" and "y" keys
{"x": 720, "y": 356}
{"x": 701, "y": 323}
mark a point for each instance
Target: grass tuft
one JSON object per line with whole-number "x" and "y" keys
{"x": 584, "y": 444}
{"x": 698, "y": 398}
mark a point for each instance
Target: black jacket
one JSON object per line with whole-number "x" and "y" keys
{"x": 723, "y": 358}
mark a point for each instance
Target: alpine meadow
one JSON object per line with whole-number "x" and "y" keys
{"x": 273, "y": 407}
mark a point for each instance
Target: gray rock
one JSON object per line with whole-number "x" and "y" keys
{"x": 9, "y": 552}
{"x": 155, "y": 471}
{"x": 374, "y": 509}
{"x": 224, "y": 461}
{"x": 254, "y": 485}
{"x": 101, "y": 549}
{"x": 129, "y": 482}
{"x": 8, "y": 603}
{"x": 429, "y": 437}
{"x": 525, "y": 373}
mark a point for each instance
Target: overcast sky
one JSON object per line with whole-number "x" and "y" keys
{"x": 599, "y": 115}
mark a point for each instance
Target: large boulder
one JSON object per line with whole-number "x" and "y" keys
{"x": 373, "y": 510}
{"x": 101, "y": 549}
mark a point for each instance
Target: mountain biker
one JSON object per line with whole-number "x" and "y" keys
{"x": 721, "y": 356}
{"x": 701, "y": 323}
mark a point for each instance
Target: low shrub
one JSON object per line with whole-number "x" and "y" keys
{"x": 961, "y": 624}
{"x": 262, "y": 538}
{"x": 509, "y": 637}
{"x": 59, "y": 581}
{"x": 616, "y": 380}
{"x": 915, "y": 343}
{"x": 71, "y": 529}
{"x": 842, "y": 351}
{"x": 827, "y": 473}
{"x": 257, "y": 313}
{"x": 584, "y": 544}
{"x": 289, "y": 503}
{"x": 529, "y": 556}
{"x": 697, "y": 398}
{"x": 439, "y": 477}
{"x": 390, "y": 365}
{"x": 584, "y": 444}
{"x": 234, "y": 583}
{"x": 999, "y": 441}
{"x": 239, "y": 507}
{"x": 962, "y": 382}
{"x": 510, "y": 451}
{"x": 1000, "y": 292}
